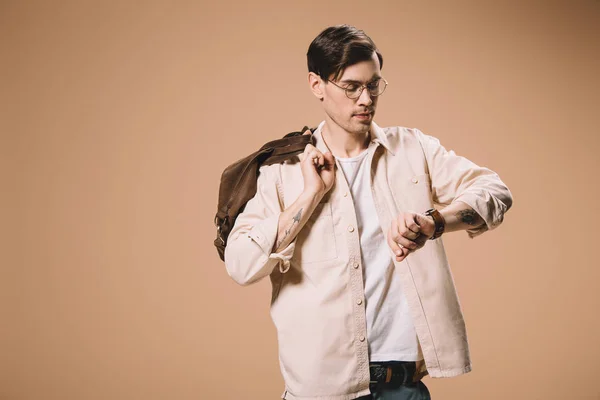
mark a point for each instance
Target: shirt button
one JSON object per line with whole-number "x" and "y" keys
{"x": 361, "y": 338}
{"x": 345, "y": 194}
{"x": 359, "y": 302}
{"x": 356, "y": 265}
{"x": 414, "y": 180}
{"x": 350, "y": 228}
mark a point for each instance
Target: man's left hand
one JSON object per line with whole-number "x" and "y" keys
{"x": 409, "y": 232}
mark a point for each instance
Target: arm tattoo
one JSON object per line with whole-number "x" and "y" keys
{"x": 469, "y": 217}
{"x": 298, "y": 216}
{"x": 287, "y": 232}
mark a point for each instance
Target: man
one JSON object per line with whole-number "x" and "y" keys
{"x": 363, "y": 298}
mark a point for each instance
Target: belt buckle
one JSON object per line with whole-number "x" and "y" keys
{"x": 371, "y": 366}
{"x": 406, "y": 379}
{"x": 388, "y": 376}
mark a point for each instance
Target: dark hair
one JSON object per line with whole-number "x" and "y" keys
{"x": 338, "y": 47}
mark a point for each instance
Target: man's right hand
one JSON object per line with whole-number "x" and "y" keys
{"x": 318, "y": 170}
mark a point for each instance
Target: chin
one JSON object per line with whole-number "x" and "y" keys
{"x": 361, "y": 126}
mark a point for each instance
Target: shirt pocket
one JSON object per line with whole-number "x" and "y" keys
{"x": 415, "y": 192}
{"x": 316, "y": 240}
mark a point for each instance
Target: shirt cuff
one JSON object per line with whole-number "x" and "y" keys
{"x": 490, "y": 211}
{"x": 264, "y": 234}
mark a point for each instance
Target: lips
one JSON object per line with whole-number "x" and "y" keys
{"x": 365, "y": 117}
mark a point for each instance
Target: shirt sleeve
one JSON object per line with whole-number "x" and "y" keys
{"x": 249, "y": 255}
{"x": 455, "y": 178}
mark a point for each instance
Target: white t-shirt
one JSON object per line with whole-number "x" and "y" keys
{"x": 390, "y": 330}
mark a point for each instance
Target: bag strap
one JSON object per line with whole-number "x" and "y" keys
{"x": 291, "y": 144}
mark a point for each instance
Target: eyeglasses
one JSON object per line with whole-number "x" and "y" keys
{"x": 354, "y": 90}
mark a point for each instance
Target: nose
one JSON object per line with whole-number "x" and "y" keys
{"x": 365, "y": 97}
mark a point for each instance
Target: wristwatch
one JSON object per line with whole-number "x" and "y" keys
{"x": 440, "y": 222}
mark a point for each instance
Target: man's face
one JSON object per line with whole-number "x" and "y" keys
{"x": 345, "y": 111}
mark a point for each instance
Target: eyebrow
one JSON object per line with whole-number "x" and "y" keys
{"x": 355, "y": 81}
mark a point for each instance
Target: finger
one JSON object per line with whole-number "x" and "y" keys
{"x": 394, "y": 236}
{"x": 311, "y": 150}
{"x": 421, "y": 240}
{"x": 328, "y": 163}
{"x": 402, "y": 257}
{"x": 400, "y": 252}
{"x": 398, "y": 236}
{"x": 316, "y": 157}
{"x": 410, "y": 229}
{"x": 307, "y": 149}
{"x": 397, "y": 250}
{"x": 412, "y": 223}
{"x": 320, "y": 159}
{"x": 405, "y": 235}
{"x": 329, "y": 158}
{"x": 317, "y": 160}
{"x": 310, "y": 154}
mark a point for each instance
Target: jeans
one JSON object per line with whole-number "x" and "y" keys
{"x": 416, "y": 391}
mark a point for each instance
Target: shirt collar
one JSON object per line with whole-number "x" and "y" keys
{"x": 377, "y": 135}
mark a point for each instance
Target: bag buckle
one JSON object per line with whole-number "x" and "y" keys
{"x": 219, "y": 234}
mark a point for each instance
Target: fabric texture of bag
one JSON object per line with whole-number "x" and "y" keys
{"x": 238, "y": 181}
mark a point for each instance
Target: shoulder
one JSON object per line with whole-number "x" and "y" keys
{"x": 404, "y": 138}
{"x": 270, "y": 174}
{"x": 269, "y": 171}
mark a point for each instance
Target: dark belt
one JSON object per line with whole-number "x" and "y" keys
{"x": 393, "y": 372}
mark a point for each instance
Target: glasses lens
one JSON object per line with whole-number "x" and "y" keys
{"x": 353, "y": 91}
{"x": 376, "y": 88}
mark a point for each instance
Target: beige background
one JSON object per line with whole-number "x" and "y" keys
{"x": 117, "y": 119}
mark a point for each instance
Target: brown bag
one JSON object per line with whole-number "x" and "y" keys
{"x": 238, "y": 181}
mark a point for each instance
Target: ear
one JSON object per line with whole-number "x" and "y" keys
{"x": 316, "y": 85}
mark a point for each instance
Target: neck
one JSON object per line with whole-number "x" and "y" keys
{"x": 342, "y": 143}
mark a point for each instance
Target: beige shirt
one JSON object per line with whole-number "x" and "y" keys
{"x": 317, "y": 302}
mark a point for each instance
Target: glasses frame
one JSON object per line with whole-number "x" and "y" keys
{"x": 362, "y": 87}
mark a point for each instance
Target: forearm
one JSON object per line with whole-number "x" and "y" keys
{"x": 460, "y": 216}
{"x": 293, "y": 218}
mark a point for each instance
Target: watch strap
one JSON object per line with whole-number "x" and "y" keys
{"x": 440, "y": 222}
